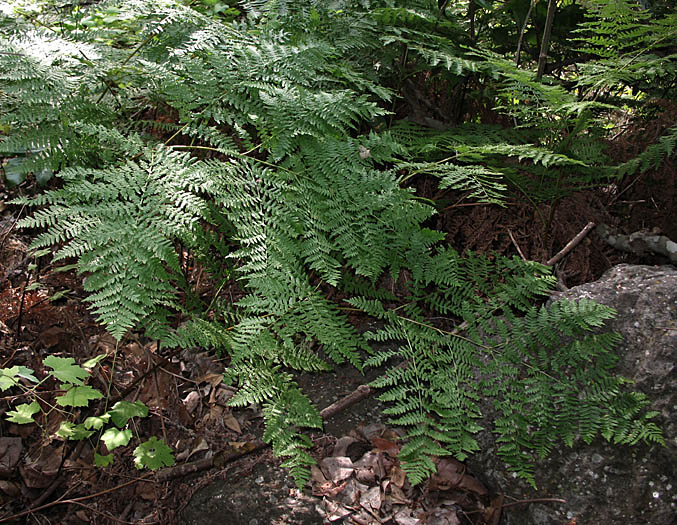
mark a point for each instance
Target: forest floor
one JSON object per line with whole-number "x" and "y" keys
{"x": 52, "y": 481}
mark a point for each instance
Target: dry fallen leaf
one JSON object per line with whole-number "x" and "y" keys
{"x": 199, "y": 445}
{"x": 11, "y": 488}
{"x": 398, "y": 476}
{"x": 104, "y": 343}
{"x": 213, "y": 379}
{"x": 342, "y": 444}
{"x": 406, "y": 517}
{"x": 52, "y": 336}
{"x": 231, "y": 422}
{"x": 146, "y": 491}
{"x": 213, "y": 418}
{"x": 386, "y": 446}
{"x": 451, "y": 475}
{"x": 350, "y": 495}
{"x": 397, "y": 496}
{"x": 334, "y": 511}
{"x": 10, "y": 452}
{"x": 371, "y": 431}
{"x": 492, "y": 515}
{"x": 442, "y": 517}
{"x": 371, "y": 466}
{"x": 192, "y": 401}
{"x": 372, "y": 500}
{"x": 40, "y": 472}
{"x": 337, "y": 468}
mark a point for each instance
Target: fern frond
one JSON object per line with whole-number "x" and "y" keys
{"x": 120, "y": 225}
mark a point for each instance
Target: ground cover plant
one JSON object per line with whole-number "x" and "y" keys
{"x": 279, "y": 150}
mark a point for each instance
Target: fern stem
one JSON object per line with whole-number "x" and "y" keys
{"x": 445, "y": 332}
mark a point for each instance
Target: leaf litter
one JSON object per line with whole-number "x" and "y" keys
{"x": 371, "y": 488}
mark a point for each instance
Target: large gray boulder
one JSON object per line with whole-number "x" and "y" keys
{"x": 605, "y": 484}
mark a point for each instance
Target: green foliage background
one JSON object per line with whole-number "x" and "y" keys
{"x": 264, "y": 140}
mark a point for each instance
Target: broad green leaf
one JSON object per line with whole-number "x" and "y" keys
{"x": 66, "y": 370}
{"x": 97, "y": 422}
{"x": 153, "y": 454}
{"x": 23, "y": 414}
{"x": 91, "y": 363}
{"x": 27, "y": 373}
{"x": 103, "y": 461}
{"x": 8, "y": 376}
{"x": 15, "y": 173}
{"x": 77, "y": 396}
{"x": 123, "y": 411}
{"x": 68, "y": 430}
{"x": 114, "y": 438}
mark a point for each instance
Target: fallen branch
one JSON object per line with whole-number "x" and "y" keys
{"x": 75, "y": 500}
{"x": 222, "y": 457}
{"x": 639, "y": 242}
{"x": 355, "y": 396}
{"x": 231, "y": 453}
{"x": 571, "y": 244}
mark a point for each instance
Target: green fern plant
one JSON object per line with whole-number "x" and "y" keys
{"x": 281, "y": 174}
{"x": 121, "y": 224}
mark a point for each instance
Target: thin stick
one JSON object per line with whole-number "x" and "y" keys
{"x": 571, "y": 244}
{"x": 545, "y": 42}
{"x": 355, "y": 396}
{"x": 524, "y": 28}
{"x": 75, "y": 500}
{"x": 519, "y": 250}
{"x": 9, "y": 230}
{"x": 535, "y": 500}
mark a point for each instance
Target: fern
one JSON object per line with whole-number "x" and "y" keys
{"x": 633, "y": 47}
{"x": 653, "y": 156}
{"x": 121, "y": 224}
{"x": 281, "y": 174}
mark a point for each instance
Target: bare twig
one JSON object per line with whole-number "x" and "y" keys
{"x": 534, "y": 500}
{"x": 355, "y": 396}
{"x": 524, "y": 28}
{"x": 9, "y": 230}
{"x": 519, "y": 250}
{"x": 75, "y": 500}
{"x": 571, "y": 244}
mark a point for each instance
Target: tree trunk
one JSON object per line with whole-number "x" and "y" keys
{"x": 471, "y": 15}
{"x": 545, "y": 45}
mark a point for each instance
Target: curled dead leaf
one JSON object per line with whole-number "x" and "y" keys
{"x": 334, "y": 511}
{"x": 40, "y": 472}
{"x": 451, "y": 475}
{"x": 192, "y": 401}
{"x": 386, "y": 446}
{"x": 10, "y": 452}
{"x": 342, "y": 444}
